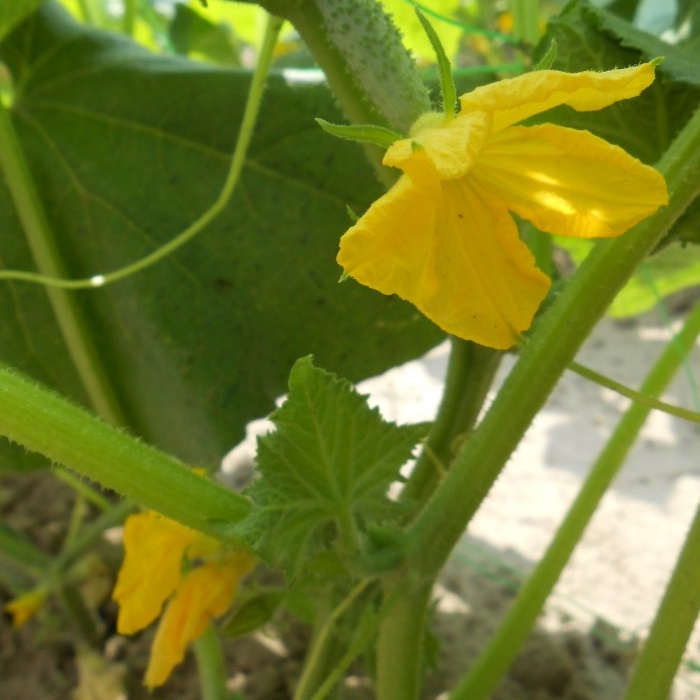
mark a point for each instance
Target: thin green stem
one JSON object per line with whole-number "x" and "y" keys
{"x": 211, "y": 666}
{"x": 86, "y": 539}
{"x": 21, "y": 554}
{"x": 554, "y": 342}
{"x": 638, "y": 397}
{"x": 56, "y": 279}
{"x": 503, "y": 647}
{"x": 526, "y": 20}
{"x": 42, "y": 244}
{"x": 90, "y": 494}
{"x": 46, "y": 423}
{"x": 315, "y": 666}
{"x": 673, "y": 624}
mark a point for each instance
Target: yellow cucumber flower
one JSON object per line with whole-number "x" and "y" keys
{"x": 166, "y": 562}
{"x": 25, "y": 606}
{"x": 443, "y": 237}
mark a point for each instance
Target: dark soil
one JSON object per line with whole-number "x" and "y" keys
{"x": 53, "y": 660}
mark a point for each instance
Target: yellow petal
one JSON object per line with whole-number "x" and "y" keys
{"x": 568, "y": 182}
{"x": 25, "y": 607}
{"x": 153, "y": 550}
{"x": 454, "y": 254}
{"x": 512, "y": 100}
{"x": 203, "y": 594}
{"x": 448, "y": 149}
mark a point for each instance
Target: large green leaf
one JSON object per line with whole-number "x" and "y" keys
{"x": 12, "y": 12}
{"x": 127, "y": 148}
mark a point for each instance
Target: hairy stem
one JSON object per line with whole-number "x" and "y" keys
{"x": 42, "y": 243}
{"x": 504, "y": 646}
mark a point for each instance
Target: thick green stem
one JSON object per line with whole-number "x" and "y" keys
{"x": 675, "y": 618}
{"x": 470, "y": 373}
{"x": 44, "y": 422}
{"x": 401, "y": 642}
{"x": 503, "y": 647}
{"x": 211, "y": 665}
{"x": 47, "y": 257}
{"x": 554, "y": 343}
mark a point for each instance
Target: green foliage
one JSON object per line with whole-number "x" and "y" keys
{"x": 325, "y": 471}
{"x": 587, "y": 38}
{"x": 253, "y": 611}
{"x": 12, "y": 13}
{"x": 194, "y": 34}
{"x": 128, "y": 148}
{"x": 674, "y": 268}
{"x": 644, "y": 126}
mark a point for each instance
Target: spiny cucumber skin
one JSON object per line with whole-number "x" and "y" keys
{"x": 375, "y": 56}
{"x": 362, "y": 48}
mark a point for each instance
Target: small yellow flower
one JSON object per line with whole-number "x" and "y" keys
{"x": 25, "y": 607}
{"x": 165, "y": 561}
{"x": 443, "y": 237}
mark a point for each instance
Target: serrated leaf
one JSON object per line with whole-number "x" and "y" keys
{"x": 325, "y": 471}
{"x": 680, "y": 60}
{"x": 643, "y": 126}
{"x": 127, "y": 149}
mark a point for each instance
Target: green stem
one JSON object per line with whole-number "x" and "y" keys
{"x": 90, "y": 494}
{"x": 469, "y": 376}
{"x": 21, "y": 554}
{"x": 47, "y": 257}
{"x": 316, "y": 665}
{"x": 401, "y": 641}
{"x": 44, "y": 422}
{"x": 55, "y": 279}
{"x": 526, "y": 20}
{"x": 503, "y": 647}
{"x": 470, "y": 373}
{"x": 638, "y": 397}
{"x": 211, "y": 665}
{"x": 555, "y": 341}
{"x": 673, "y": 624}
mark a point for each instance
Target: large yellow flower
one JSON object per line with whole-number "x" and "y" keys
{"x": 443, "y": 237}
{"x": 166, "y": 561}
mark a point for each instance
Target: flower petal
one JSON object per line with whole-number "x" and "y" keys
{"x": 25, "y": 607}
{"x": 449, "y": 149}
{"x": 512, "y": 100}
{"x": 452, "y": 253}
{"x": 568, "y": 182}
{"x": 203, "y": 594}
{"x": 153, "y": 550}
